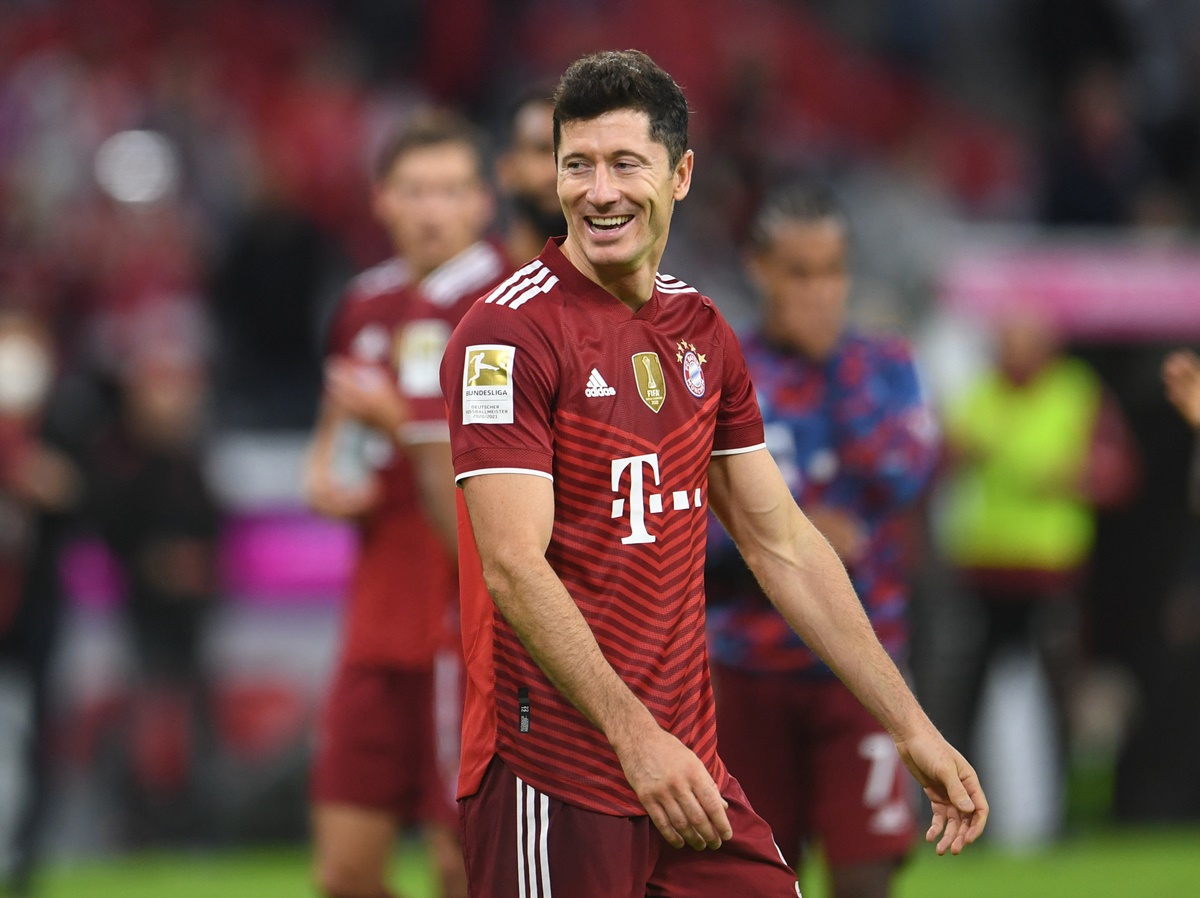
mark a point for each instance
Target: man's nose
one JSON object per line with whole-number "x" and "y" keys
{"x": 602, "y": 191}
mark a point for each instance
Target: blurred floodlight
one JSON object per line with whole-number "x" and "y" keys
{"x": 137, "y": 166}
{"x": 25, "y": 372}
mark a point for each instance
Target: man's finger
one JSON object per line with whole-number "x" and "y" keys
{"x": 663, "y": 824}
{"x": 682, "y": 823}
{"x": 953, "y": 822}
{"x": 936, "y": 825}
{"x": 960, "y": 799}
{"x": 979, "y": 817}
{"x": 714, "y": 807}
{"x": 699, "y": 822}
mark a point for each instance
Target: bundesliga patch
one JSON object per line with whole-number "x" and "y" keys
{"x": 693, "y": 372}
{"x": 487, "y": 392}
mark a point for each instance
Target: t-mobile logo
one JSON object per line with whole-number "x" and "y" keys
{"x": 641, "y": 501}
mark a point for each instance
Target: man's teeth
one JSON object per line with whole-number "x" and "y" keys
{"x": 613, "y": 222}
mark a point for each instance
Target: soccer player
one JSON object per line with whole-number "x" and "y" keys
{"x": 1181, "y": 374}
{"x": 587, "y": 464}
{"x": 381, "y": 457}
{"x": 528, "y": 178}
{"x": 857, "y": 444}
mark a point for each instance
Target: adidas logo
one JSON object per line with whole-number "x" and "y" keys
{"x": 596, "y": 387}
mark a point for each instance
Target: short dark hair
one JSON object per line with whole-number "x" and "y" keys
{"x": 539, "y": 93}
{"x": 429, "y": 128}
{"x": 623, "y": 79}
{"x": 803, "y": 201}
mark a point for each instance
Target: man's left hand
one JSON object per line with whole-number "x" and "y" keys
{"x": 960, "y": 809}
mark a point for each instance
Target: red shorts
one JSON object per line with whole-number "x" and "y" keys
{"x": 521, "y": 843}
{"x": 379, "y": 744}
{"x": 816, "y": 765}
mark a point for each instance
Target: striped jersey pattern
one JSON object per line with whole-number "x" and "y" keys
{"x": 524, "y": 284}
{"x": 602, "y": 405}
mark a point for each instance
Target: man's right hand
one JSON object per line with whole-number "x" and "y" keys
{"x": 331, "y": 499}
{"x": 1181, "y": 374}
{"x": 367, "y": 394}
{"x": 675, "y": 788}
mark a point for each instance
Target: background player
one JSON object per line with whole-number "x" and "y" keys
{"x": 378, "y": 763}
{"x": 589, "y": 716}
{"x": 856, "y": 443}
{"x": 528, "y": 178}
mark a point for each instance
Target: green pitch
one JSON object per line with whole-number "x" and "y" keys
{"x": 1163, "y": 863}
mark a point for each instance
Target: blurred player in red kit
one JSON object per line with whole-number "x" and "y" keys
{"x": 848, "y": 425}
{"x": 597, "y": 408}
{"x": 381, "y": 457}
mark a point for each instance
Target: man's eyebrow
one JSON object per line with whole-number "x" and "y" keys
{"x": 615, "y": 154}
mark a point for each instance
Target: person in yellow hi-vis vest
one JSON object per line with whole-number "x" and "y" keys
{"x": 1037, "y": 447}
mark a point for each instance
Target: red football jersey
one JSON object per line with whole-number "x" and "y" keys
{"x": 403, "y": 587}
{"x": 553, "y": 376}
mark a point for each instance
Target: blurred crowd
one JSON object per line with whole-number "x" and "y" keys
{"x": 185, "y": 191}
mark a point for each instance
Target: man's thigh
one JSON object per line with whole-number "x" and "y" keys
{"x": 750, "y": 864}
{"x": 377, "y": 746}
{"x": 864, "y": 799}
{"x": 761, "y": 725}
{"x": 519, "y": 842}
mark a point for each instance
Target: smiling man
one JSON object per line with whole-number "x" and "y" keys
{"x": 619, "y": 410}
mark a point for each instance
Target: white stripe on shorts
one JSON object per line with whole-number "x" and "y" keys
{"x": 533, "y": 826}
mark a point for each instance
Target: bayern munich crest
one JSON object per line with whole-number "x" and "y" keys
{"x": 693, "y": 372}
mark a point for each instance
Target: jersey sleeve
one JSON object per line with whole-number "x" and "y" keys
{"x": 500, "y": 379}
{"x": 739, "y": 425}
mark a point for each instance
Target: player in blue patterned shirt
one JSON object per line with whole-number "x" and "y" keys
{"x": 848, "y": 425}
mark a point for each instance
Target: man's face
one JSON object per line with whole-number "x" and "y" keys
{"x": 804, "y": 283}
{"x": 434, "y": 204}
{"x": 617, "y": 189}
{"x": 527, "y": 169}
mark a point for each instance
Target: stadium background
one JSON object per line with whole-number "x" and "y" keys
{"x": 195, "y": 175}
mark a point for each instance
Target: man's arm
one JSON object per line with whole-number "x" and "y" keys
{"x": 325, "y": 494}
{"x": 434, "y": 467}
{"x": 801, "y": 574}
{"x": 512, "y": 516}
{"x": 364, "y": 394}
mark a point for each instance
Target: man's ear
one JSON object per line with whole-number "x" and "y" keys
{"x": 683, "y": 175}
{"x": 504, "y": 172}
{"x": 380, "y": 207}
{"x": 752, "y": 261}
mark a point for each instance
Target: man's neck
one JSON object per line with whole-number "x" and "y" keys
{"x": 420, "y": 271}
{"x": 632, "y": 287}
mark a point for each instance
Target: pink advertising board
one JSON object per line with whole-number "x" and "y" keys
{"x": 1093, "y": 290}
{"x": 267, "y": 558}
